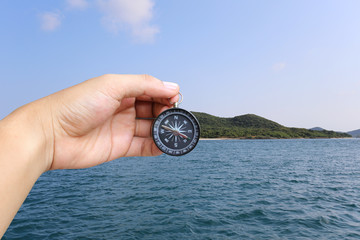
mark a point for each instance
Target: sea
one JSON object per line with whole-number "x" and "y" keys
{"x": 223, "y": 189}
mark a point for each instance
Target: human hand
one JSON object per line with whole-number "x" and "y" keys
{"x": 82, "y": 126}
{"x": 95, "y": 121}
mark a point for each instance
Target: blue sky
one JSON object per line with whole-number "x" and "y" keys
{"x": 294, "y": 62}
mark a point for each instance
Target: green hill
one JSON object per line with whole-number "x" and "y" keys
{"x": 253, "y": 126}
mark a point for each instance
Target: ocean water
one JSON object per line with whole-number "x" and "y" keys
{"x": 231, "y": 189}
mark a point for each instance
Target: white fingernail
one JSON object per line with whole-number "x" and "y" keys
{"x": 171, "y": 85}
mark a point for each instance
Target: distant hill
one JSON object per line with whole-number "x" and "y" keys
{"x": 317, "y": 129}
{"x": 253, "y": 126}
{"x": 355, "y": 133}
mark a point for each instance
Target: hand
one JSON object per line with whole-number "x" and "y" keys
{"x": 82, "y": 126}
{"x": 95, "y": 122}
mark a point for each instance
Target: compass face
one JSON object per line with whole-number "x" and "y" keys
{"x": 176, "y": 131}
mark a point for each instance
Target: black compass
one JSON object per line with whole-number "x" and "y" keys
{"x": 176, "y": 131}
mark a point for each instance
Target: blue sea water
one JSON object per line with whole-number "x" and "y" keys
{"x": 230, "y": 189}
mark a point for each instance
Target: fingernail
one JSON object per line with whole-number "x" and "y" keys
{"x": 171, "y": 85}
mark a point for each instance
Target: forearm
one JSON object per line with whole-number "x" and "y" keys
{"x": 23, "y": 158}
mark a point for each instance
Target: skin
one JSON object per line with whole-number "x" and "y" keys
{"x": 79, "y": 127}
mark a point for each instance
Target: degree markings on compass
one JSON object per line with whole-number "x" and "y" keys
{"x": 176, "y": 132}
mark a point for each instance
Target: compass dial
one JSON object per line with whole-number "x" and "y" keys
{"x": 176, "y": 131}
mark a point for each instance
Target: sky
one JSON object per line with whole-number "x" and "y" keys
{"x": 294, "y": 62}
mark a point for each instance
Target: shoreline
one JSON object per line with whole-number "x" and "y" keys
{"x": 213, "y": 139}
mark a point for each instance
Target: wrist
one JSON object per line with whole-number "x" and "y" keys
{"x": 27, "y": 132}
{"x": 25, "y": 153}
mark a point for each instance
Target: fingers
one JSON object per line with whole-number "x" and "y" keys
{"x": 165, "y": 101}
{"x": 143, "y": 147}
{"x": 144, "y": 109}
{"x": 149, "y": 109}
{"x": 143, "y": 128}
{"x": 144, "y": 87}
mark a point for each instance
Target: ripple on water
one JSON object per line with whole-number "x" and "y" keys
{"x": 236, "y": 189}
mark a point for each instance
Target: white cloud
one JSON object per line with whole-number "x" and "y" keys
{"x": 77, "y": 4}
{"x": 133, "y": 16}
{"x": 277, "y": 67}
{"x": 130, "y": 15}
{"x": 50, "y": 21}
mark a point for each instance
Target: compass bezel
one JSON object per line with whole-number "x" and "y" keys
{"x": 159, "y": 140}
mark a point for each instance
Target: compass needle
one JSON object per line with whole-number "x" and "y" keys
{"x": 184, "y": 136}
{"x": 167, "y": 128}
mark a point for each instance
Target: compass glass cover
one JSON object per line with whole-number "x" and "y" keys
{"x": 176, "y": 131}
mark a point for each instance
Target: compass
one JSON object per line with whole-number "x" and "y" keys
{"x": 176, "y": 131}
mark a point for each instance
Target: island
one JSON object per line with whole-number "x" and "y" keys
{"x": 251, "y": 126}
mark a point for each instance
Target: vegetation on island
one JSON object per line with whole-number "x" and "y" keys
{"x": 252, "y": 126}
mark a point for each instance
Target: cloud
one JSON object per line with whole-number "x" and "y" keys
{"x": 132, "y": 16}
{"x": 77, "y": 4}
{"x": 277, "y": 67}
{"x": 129, "y": 15}
{"x": 50, "y": 21}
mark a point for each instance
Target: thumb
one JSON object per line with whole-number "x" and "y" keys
{"x": 138, "y": 86}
